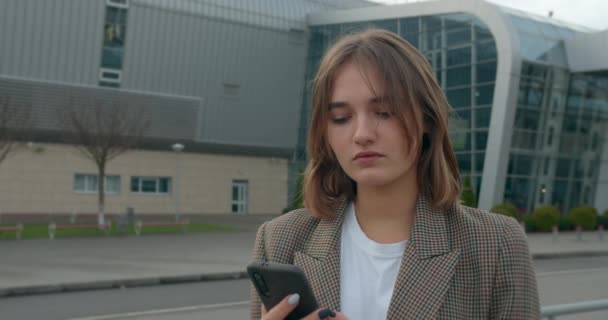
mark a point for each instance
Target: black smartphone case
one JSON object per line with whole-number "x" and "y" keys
{"x": 282, "y": 280}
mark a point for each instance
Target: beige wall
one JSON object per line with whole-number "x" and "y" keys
{"x": 43, "y": 181}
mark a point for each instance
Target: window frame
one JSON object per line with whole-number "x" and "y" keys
{"x": 88, "y": 176}
{"x": 157, "y": 182}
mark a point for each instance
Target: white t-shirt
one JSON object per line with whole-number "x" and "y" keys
{"x": 368, "y": 271}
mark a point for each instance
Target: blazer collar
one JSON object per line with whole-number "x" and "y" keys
{"x": 428, "y": 251}
{"x": 320, "y": 258}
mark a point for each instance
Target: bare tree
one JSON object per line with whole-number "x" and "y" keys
{"x": 15, "y": 126}
{"x": 101, "y": 132}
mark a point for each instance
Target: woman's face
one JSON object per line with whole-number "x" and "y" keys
{"x": 368, "y": 141}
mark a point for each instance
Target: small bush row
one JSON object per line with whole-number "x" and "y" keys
{"x": 544, "y": 218}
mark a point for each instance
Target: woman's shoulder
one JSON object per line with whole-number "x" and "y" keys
{"x": 294, "y": 219}
{"x": 480, "y": 224}
{"x": 289, "y": 230}
{"x": 481, "y": 217}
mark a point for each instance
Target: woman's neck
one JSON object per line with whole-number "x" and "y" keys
{"x": 387, "y": 214}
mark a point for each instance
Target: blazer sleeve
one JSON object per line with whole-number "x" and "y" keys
{"x": 259, "y": 254}
{"x": 514, "y": 292}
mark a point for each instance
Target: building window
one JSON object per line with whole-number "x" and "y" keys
{"x": 155, "y": 185}
{"x": 114, "y": 34}
{"x": 110, "y": 76}
{"x": 486, "y": 72}
{"x": 594, "y": 142}
{"x": 459, "y": 56}
{"x": 550, "y": 137}
{"x": 460, "y": 76}
{"x": 89, "y": 183}
{"x": 459, "y": 98}
{"x": 240, "y": 194}
{"x": 591, "y": 170}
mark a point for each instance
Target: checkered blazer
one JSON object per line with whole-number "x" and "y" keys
{"x": 461, "y": 263}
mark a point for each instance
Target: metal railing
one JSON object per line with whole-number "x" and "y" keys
{"x": 552, "y": 312}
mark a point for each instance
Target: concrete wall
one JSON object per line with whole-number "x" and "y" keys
{"x": 41, "y": 179}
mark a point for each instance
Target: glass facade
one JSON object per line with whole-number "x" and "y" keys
{"x": 557, "y": 130}
{"x": 541, "y": 42}
{"x": 557, "y": 137}
{"x": 554, "y": 156}
{"x": 463, "y": 54}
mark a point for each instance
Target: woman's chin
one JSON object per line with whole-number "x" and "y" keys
{"x": 371, "y": 181}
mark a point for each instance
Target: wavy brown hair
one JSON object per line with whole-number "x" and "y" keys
{"x": 412, "y": 94}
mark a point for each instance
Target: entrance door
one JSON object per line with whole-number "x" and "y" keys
{"x": 240, "y": 194}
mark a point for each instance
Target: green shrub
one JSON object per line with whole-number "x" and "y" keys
{"x": 527, "y": 219}
{"x": 545, "y": 218}
{"x": 298, "y": 196}
{"x": 602, "y": 221}
{"x": 506, "y": 209}
{"x": 467, "y": 197}
{"x": 584, "y": 216}
{"x": 565, "y": 223}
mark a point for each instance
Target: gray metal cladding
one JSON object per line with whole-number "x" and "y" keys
{"x": 170, "y": 117}
{"x": 57, "y": 40}
{"x": 243, "y": 61}
{"x": 250, "y": 77}
{"x": 277, "y": 14}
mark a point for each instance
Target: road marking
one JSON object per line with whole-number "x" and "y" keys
{"x": 164, "y": 311}
{"x": 557, "y": 273}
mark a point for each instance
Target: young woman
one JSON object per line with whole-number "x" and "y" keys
{"x": 383, "y": 235}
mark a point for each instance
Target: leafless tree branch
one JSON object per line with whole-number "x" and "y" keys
{"x": 102, "y": 132}
{"x": 15, "y": 126}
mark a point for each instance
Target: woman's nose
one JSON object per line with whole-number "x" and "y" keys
{"x": 366, "y": 130}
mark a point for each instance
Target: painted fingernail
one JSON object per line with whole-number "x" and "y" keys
{"x": 293, "y": 299}
{"x": 326, "y": 313}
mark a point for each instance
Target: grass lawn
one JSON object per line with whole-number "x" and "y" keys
{"x": 41, "y": 231}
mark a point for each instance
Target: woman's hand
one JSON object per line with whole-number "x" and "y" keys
{"x": 281, "y": 310}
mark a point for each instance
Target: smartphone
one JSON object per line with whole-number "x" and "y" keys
{"x": 275, "y": 281}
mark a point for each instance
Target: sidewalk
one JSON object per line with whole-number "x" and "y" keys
{"x": 69, "y": 264}
{"x": 544, "y": 246}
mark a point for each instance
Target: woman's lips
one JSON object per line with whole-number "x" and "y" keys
{"x": 367, "y": 159}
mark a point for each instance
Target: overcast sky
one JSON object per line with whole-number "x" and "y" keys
{"x": 589, "y": 13}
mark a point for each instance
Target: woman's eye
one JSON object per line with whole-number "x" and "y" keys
{"x": 339, "y": 120}
{"x": 383, "y": 115}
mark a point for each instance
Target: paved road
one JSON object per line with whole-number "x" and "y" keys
{"x": 45, "y": 262}
{"x": 115, "y": 301}
{"x": 560, "y": 281}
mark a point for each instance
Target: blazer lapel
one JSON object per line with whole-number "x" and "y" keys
{"x": 427, "y": 267}
{"x": 320, "y": 259}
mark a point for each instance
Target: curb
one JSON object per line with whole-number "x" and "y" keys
{"x": 118, "y": 284}
{"x": 574, "y": 254}
{"x": 189, "y": 278}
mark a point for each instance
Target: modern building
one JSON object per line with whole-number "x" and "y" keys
{"x": 230, "y": 81}
{"x": 222, "y": 78}
{"x": 529, "y": 93}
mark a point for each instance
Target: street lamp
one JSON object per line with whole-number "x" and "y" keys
{"x": 543, "y": 190}
{"x": 177, "y": 147}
